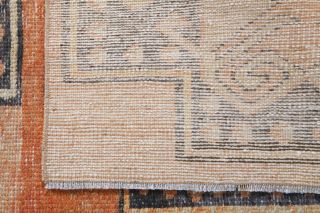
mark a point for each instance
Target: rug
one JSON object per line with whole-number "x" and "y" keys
{"x": 21, "y": 127}
{"x": 186, "y": 95}
{"x": 21, "y": 120}
{"x": 10, "y": 102}
{"x": 187, "y": 201}
{"x": 11, "y": 53}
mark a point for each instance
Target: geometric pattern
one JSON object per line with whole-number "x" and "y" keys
{"x": 254, "y": 84}
{"x": 224, "y": 86}
{"x": 11, "y": 52}
{"x": 141, "y": 199}
{"x": 21, "y": 187}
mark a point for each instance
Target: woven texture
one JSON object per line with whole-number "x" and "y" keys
{"x": 145, "y": 201}
{"x": 21, "y": 127}
{"x": 10, "y": 103}
{"x": 202, "y": 95}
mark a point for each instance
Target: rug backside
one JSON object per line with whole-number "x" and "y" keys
{"x": 196, "y": 95}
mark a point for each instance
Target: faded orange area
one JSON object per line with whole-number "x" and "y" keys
{"x": 34, "y": 197}
{"x": 10, "y": 147}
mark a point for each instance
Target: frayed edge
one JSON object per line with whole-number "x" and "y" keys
{"x": 191, "y": 187}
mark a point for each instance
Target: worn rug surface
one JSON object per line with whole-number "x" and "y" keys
{"x": 193, "y": 95}
{"x": 22, "y": 72}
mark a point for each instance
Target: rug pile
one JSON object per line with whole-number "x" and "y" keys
{"x": 190, "y": 95}
{"x": 159, "y": 106}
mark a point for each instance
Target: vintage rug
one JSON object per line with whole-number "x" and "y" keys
{"x": 204, "y": 95}
{"x": 22, "y": 29}
{"x": 186, "y": 201}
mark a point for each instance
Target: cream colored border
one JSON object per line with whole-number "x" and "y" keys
{"x": 185, "y": 75}
{"x": 46, "y": 92}
{"x": 52, "y": 184}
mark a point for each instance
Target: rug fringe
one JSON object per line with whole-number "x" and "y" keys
{"x": 192, "y": 187}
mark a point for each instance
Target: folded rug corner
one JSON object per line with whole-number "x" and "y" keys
{"x": 194, "y": 95}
